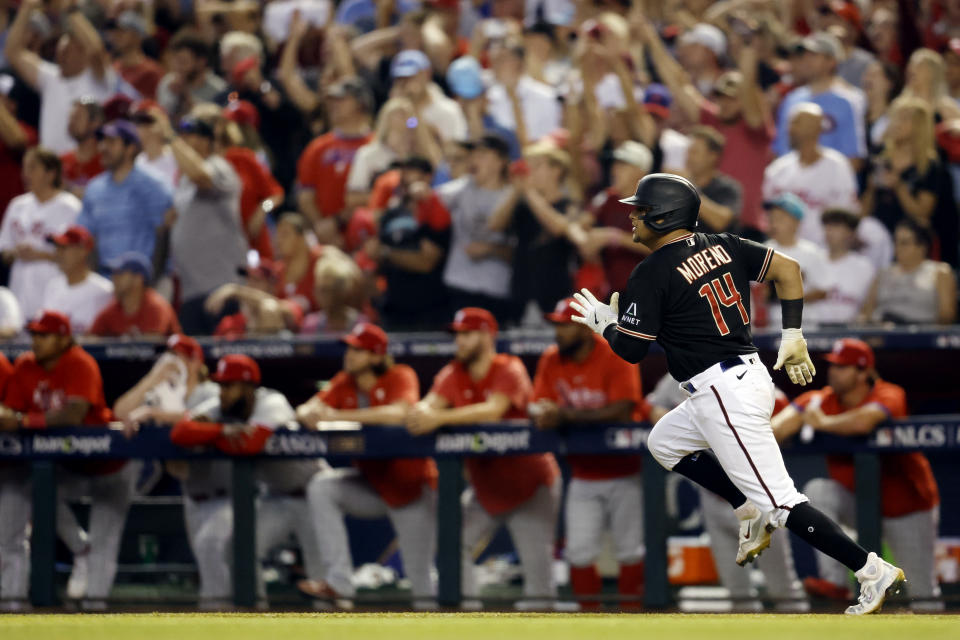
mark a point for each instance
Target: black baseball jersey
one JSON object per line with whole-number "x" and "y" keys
{"x": 692, "y": 295}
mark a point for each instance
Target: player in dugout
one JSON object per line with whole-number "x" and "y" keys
{"x": 521, "y": 492}
{"x": 579, "y": 380}
{"x": 372, "y": 389}
{"x": 854, "y": 404}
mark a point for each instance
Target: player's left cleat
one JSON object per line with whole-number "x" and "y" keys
{"x": 878, "y": 579}
{"x": 755, "y": 529}
{"x": 77, "y": 584}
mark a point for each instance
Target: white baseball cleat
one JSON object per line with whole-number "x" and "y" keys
{"x": 878, "y": 579}
{"x": 77, "y": 584}
{"x": 755, "y": 529}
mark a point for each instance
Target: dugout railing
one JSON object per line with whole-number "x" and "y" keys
{"x": 44, "y": 448}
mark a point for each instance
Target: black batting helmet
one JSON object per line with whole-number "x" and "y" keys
{"x": 671, "y": 202}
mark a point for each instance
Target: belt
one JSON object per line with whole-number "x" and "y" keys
{"x": 203, "y": 497}
{"x": 725, "y": 365}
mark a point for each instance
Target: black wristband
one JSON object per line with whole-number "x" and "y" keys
{"x": 792, "y": 313}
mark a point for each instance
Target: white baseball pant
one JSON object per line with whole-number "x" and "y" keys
{"x": 110, "y": 497}
{"x": 595, "y": 506}
{"x": 277, "y": 518}
{"x": 729, "y": 412}
{"x": 531, "y": 525}
{"x": 911, "y": 538}
{"x": 16, "y": 507}
{"x": 776, "y": 563}
{"x": 209, "y": 526}
{"x": 335, "y": 493}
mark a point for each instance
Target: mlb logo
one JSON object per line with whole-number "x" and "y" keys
{"x": 884, "y": 437}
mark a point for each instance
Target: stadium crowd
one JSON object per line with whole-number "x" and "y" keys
{"x": 174, "y": 168}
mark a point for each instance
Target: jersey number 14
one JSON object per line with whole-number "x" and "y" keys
{"x": 717, "y": 295}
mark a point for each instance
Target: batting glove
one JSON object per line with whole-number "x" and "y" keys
{"x": 593, "y": 313}
{"x": 793, "y": 354}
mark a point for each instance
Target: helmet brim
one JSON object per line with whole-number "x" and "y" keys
{"x": 633, "y": 201}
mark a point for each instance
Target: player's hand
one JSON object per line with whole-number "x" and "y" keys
{"x": 593, "y": 313}
{"x": 421, "y": 419}
{"x": 545, "y": 414}
{"x": 234, "y": 433}
{"x": 794, "y": 356}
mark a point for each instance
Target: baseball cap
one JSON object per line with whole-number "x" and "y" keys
{"x": 493, "y": 142}
{"x": 132, "y": 261}
{"x": 634, "y": 153}
{"x": 563, "y": 312}
{"x": 547, "y": 148}
{"x": 237, "y": 367}
{"x": 789, "y": 203}
{"x": 131, "y": 20}
{"x": 117, "y": 107}
{"x": 464, "y": 78}
{"x": 657, "y": 100}
{"x": 50, "y": 322}
{"x": 368, "y": 337}
{"x": 708, "y": 36}
{"x": 409, "y": 62}
{"x": 242, "y": 112}
{"x": 728, "y": 84}
{"x": 851, "y": 352}
{"x": 265, "y": 269}
{"x": 74, "y": 235}
{"x": 123, "y": 129}
{"x": 185, "y": 346}
{"x": 196, "y": 126}
{"x": 474, "y": 319}
{"x": 354, "y": 88}
{"x": 848, "y": 11}
{"x": 823, "y": 43}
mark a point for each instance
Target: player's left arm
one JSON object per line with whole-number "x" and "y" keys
{"x": 631, "y": 333}
{"x": 856, "y": 422}
{"x": 71, "y": 414}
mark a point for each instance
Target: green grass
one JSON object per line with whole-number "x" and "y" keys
{"x": 490, "y": 626}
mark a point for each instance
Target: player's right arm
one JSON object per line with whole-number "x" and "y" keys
{"x": 785, "y": 274}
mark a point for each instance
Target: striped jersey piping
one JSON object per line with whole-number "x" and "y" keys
{"x": 681, "y": 238}
{"x": 636, "y": 334}
{"x": 766, "y": 265}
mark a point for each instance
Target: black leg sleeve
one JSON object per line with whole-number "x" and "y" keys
{"x": 703, "y": 468}
{"x": 824, "y": 534}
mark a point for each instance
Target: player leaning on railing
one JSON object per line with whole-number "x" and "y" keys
{"x": 687, "y": 296}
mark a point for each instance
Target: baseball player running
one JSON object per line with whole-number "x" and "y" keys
{"x": 779, "y": 573}
{"x": 854, "y": 404}
{"x": 580, "y": 380}
{"x": 692, "y": 296}
{"x": 371, "y": 389}
{"x": 176, "y": 384}
{"x": 521, "y": 492}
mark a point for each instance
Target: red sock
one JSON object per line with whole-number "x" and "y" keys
{"x": 585, "y": 581}
{"x": 630, "y": 585}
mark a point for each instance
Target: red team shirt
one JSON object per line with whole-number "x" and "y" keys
{"x": 501, "y": 483}
{"x": 906, "y": 480}
{"x": 324, "y": 167}
{"x": 602, "y": 379}
{"x": 80, "y": 173}
{"x": 399, "y": 481}
{"x": 154, "y": 317}
{"x": 258, "y": 185}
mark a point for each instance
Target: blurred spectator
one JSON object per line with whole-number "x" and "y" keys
{"x": 136, "y": 309}
{"x": 413, "y": 239}
{"x": 700, "y": 51}
{"x": 125, "y": 208}
{"x": 16, "y": 136}
{"x": 478, "y": 270}
{"x": 539, "y": 213}
{"x": 57, "y": 383}
{"x": 951, "y": 68}
{"x": 514, "y": 92}
{"x": 83, "y": 162}
{"x": 156, "y": 157}
{"x": 260, "y": 312}
{"x": 46, "y": 209}
{"x": 909, "y": 181}
{"x": 411, "y": 73}
{"x": 882, "y": 82}
{"x": 76, "y": 292}
{"x": 297, "y": 260}
{"x": 847, "y": 275}
{"x": 926, "y": 79}
{"x": 325, "y": 164}
{"x": 189, "y": 80}
{"x": 668, "y": 145}
{"x": 261, "y": 194}
{"x": 842, "y": 19}
{"x": 399, "y": 134}
{"x": 519, "y": 492}
{"x": 11, "y": 318}
{"x": 914, "y": 289}
{"x": 336, "y": 279}
{"x": 612, "y": 237}
{"x": 785, "y": 213}
{"x": 721, "y": 196}
{"x": 818, "y": 175}
{"x": 126, "y": 35}
{"x": 372, "y": 389}
{"x": 207, "y": 201}
{"x": 82, "y": 68}
{"x": 736, "y": 108}
{"x": 466, "y": 84}
{"x": 814, "y": 65}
